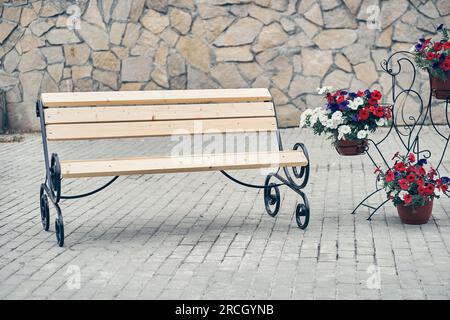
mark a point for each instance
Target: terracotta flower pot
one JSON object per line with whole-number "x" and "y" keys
{"x": 440, "y": 88}
{"x": 415, "y": 215}
{"x": 351, "y": 147}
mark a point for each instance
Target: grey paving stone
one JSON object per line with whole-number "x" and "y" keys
{"x": 200, "y": 236}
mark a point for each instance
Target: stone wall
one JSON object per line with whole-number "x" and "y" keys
{"x": 290, "y": 46}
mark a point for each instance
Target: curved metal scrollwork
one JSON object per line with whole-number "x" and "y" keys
{"x": 303, "y": 174}
{"x": 55, "y": 177}
{"x": 407, "y": 126}
{"x": 272, "y": 199}
{"x": 45, "y": 210}
{"x": 302, "y": 212}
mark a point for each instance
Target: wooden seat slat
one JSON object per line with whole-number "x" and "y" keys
{"x": 71, "y": 99}
{"x": 158, "y": 112}
{"x": 155, "y": 165}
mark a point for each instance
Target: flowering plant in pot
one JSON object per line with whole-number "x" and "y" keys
{"x": 434, "y": 57}
{"x": 348, "y": 117}
{"x": 412, "y": 188}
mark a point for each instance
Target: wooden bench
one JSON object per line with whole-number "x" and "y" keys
{"x": 132, "y": 114}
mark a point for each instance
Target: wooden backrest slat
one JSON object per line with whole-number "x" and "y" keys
{"x": 158, "y": 112}
{"x": 74, "y": 99}
{"x": 108, "y": 130}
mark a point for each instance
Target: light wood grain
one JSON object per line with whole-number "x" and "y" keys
{"x": 84, "y": 131}
{"x": 158, "y": 112}
{"x": 155, "y": 165}
{"x": 70, "y": 99}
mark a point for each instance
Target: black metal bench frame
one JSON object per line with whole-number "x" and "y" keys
{"x": 51, "y": 188}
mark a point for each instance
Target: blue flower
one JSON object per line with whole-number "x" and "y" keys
{"x": 422, "y": 162}
{"x": 352, "y": 95}
{"x": 367, "y": 92}
{"x": 445, "y": 180}
{"x": 355, "y": 117}
{"x": 418, "y": 47}
{"x": 333, "y": 107}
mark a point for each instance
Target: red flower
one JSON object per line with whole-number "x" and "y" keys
{"x": 364, "y": 114}
{"x": 411, "y": 157}
{"x": 421, "y": 171}
{"x": 360, "y": 93}
{"x": 340, "y": 99}
{"x": 437, "y": 46}
{"x": 424, "y": 44}
{"x": 444, "y": 188}
{"x": 403, "y": 184}
{"x": 430, "y": 56}
{"x": 407, "y": 198}
{"x": 376, "y": 95}
{"x": 373, "y": 101}
{"x": 421, "y": 190}
{"x": 420, "y": 182}
{"x": 446, "y": 45}
{"x": 388, "y": 113}
{"x": 430, "y": 189}
{"x": 389, "y": 176}
{"x": 379, "y": 112}
{"x": 432, "y": 173}
{"x": 400, "y": 166}
{"x": 446, "y": 65}
{"x": 411, "y": 178}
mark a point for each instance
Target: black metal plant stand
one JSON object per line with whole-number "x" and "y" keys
{"x": 407, "y": 126}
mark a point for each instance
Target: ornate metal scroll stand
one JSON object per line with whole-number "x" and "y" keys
{"x": 407, "y": 127}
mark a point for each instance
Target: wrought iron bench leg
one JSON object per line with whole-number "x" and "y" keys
{"x": 51, "y": 189}
{"x": 272, "y": 199}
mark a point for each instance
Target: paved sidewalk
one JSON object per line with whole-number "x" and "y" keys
{"x": 200, "y": 236}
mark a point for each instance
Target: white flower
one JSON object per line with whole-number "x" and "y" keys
{"x": 381, "y": 122}
{"x": 305, "y": 116}
{"x": 352, "y": 105}
{"x": 337, "y": 117}
{"x": 355, "y": 104}
{"x": 343, "y": 130}
{"x": 362, "y": 134}
{"x": 313, "y": 119}
{"x": 331, "y": 124}
{"x": 324, "y": 89}
{"x": 358, "y": 101}
{"x": 323, "y": 118}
